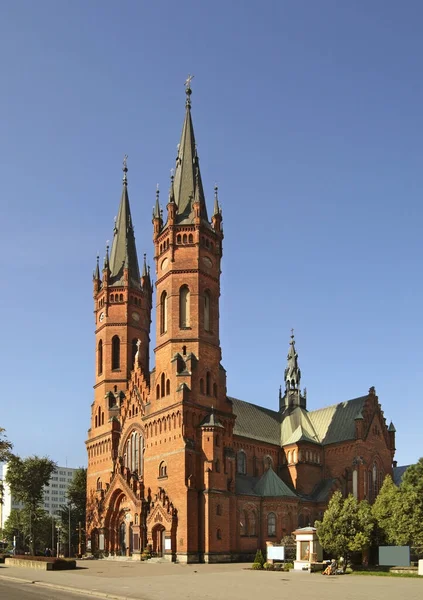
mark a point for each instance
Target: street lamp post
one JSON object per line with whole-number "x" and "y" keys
{"x": 59, "y": 528}
{"x": 69, "y": 528}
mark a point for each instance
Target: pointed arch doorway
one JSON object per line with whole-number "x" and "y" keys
{"x": 158, "y": 535}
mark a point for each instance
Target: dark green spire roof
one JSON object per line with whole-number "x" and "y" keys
{"x": 187, "y": 183}
{"x": 124, "y": 253}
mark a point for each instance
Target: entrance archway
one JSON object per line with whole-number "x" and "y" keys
{"x": 158, "y": 535}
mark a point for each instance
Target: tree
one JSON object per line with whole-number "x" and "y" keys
{"x": 27, "y": 478}
{"x": 399, "y": 511}
{"x": 21, "y": 526}
{"x": 385, "y": 512}
{"x": 5, "y": 446}
{"x": 73, "y": 515}
{"x": 346, "y": 527}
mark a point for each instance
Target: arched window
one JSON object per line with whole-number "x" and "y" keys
{"x": 207, "y": 310}
{"x": 219, "y": 510}
{"x": 102, "y": 418}
{"x": 178, "y": 239}
{"x": 219, "y": 534}
{"x": 184, "y": 238}
{"x": 201, "y": 386}
{"x": 163, "y": 312}
{"x": 115, "y": 352}
{"x": 157, "y": 391}
{"x": 134, "y": 349}
{"x": 162, "y": 469}
{"x": 191, "y": 238}
{"x": 99, "y": 484}
{"x": 374, "y": 477}
{"x": 100, "y": 357}
{"x": 241, "y": 463}
{"x": 162, "y": 386}
{"x": 271, "y": 525}
{"x": 208, "y": 383}
{"x": 253, "y": 524}
{"x": 243, "y": 523}
{"x": 121, "y": 298}
{"x": 184, "y": 308}
{"x": 168, "y": 387}
{"x": 95, "y": 421}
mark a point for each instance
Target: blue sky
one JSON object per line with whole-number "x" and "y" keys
{"x": 309, "y": 117}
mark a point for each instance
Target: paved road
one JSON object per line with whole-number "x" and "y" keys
{"x": 10, "y": 590}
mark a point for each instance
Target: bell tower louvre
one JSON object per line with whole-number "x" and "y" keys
{"x": 176, "y": 467}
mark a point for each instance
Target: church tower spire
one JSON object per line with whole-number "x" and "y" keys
{"x": 187, "y": 183}
{"x": 292, "y": 377}
{"x": 123, "y": 256}
{"x": 292, "y": 371}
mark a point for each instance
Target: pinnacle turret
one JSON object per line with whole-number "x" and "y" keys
{"x": 292, "y": 371}
{"x": 124, "y": 253}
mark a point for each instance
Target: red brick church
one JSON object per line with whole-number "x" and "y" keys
{"x": 174, "y": 463}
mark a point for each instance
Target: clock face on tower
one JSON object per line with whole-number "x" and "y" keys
{"x": 101, "y": 317}
{"x": 135, "y": 316}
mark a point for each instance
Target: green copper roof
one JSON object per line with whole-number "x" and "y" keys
{"x": 336, "y": 423}
{"x": 187, "y": 184}
{"x": 124, "y": 253}
{"x": 270, "y": 484}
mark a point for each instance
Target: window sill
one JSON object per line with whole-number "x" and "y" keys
{"x": 185, "y": 328}
{"x": 162, "y": 477}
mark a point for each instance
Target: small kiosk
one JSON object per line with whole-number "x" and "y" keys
{"x": 309, "y": 551}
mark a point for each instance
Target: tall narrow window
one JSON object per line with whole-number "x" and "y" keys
{"x": 243, "y": 523}
{"x": 253, "y": 521}
{"x": 207, "y": 311}
{"x": 271, "y": 525}
{"x": 208, "y": 383}
{"x": 163, "y": 312}
{"x": 115, "y": 352}
{"x": 100, "y": 357}
{"x": 162, "y": 385}
{"x": 241, "y": 463}
{"x": 135, "y": 452}
{"x": 141, "y": 456}
{"x": 134, "y": 349}
{"x": 184, "y": 312}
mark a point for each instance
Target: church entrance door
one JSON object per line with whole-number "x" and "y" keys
{"x": 122, "y": 538}
{"x": 158, "y": 540}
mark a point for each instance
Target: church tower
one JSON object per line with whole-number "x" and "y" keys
{"x": 188, "y": 383}
{"x": 122, "y": 312}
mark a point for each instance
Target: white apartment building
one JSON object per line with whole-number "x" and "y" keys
{"x": 54, "y": 493}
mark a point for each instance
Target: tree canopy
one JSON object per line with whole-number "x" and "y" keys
{"x": 26, "y": 479}
{"x": 398, "y": 511}
{"x": 346, "y": 527}
{"x": 5, "y": 446}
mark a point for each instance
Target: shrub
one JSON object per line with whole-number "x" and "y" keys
{"x": 257, "y": 566}
{"x": 288, "y": 566}
{"x": 259, "y": 558}
{"x": 268, "y": 566}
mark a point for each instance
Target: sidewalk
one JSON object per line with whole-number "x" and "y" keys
{"x": 146, "y": 581}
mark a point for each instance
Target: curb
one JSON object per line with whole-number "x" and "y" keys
{"x": 66, "y": 588}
